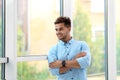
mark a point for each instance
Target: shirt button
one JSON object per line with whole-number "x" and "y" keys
{"x": 72, "y": 78}
{"x": 70, "y": 69}
{"x": 67, "y": 53}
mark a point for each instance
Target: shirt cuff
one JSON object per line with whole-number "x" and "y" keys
{"x": 54, "y": 71}
{"x": 82, "y": 62}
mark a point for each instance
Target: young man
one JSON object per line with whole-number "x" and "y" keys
{"x": 69, "y": 58}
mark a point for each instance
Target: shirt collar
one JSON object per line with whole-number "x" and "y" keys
{"x": 69, "y": 42}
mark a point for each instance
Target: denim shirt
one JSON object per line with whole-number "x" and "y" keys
{"x": 67, "y": 51}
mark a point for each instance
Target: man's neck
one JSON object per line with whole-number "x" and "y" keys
{"x": 67, "y": 39}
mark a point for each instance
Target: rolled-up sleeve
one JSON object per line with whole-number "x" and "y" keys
{"x": 86, "y": 60}
{"x": 52, "y": 56}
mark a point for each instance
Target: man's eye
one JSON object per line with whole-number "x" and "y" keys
{"x": 55, "y": 29}
{"x": 61, "y": 29}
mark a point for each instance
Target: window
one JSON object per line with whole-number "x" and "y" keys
{"x": 35, "y": 36}
{"x": 0, "y": 28}
{"x": 0, "y": 34}
{"x": 117, "y": 8}
{"x": 2, "y": 54}
{"x": 31, "y": 22}
{"x": 36, "y": 26}
{"x": 99, "y": 8}
{"x": 34, "y": 70}
{"x": 89, "y": 26}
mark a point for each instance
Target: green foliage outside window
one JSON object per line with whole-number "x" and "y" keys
{"x": 82, "y": 31}
{"x": 27, "y": 71}
{"x": 20, "y": 42}
{"x": 118, "y": 47}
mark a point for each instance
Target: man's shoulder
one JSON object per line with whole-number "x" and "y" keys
{"x": 79, "y": 41}
{"x": 52, "y": 50}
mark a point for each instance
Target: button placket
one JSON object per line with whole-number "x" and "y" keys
{"x": 72, "y": 78}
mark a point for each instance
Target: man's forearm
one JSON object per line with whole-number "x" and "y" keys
{"x": 82, "y": 54}
{"x": 56, "y": 64}
{"x": 70, "y": 63}
{"x": 73, "y": 63}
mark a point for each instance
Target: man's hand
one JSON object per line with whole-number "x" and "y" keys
{"x": 56, "y": 64}
{"x": 63, "y": 69}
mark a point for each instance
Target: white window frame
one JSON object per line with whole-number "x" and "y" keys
{"x": 111, "y": 38}
{"x": 11, "y": 35}
{"x": 4, "y": 60}
{"x": 67, "y": 11}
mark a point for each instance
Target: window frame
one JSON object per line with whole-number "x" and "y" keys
{"x": 11, "y": 39}
{"x": 3, "y": 60}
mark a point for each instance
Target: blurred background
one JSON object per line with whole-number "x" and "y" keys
{"x": 36, "y": 35}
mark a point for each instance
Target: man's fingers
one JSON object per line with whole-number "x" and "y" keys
{"x": 52, "y": 65}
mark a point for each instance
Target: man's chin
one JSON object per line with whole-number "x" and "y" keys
{"x": 60, "y": 38}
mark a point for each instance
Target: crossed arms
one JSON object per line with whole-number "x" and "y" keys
{"x": 69, "y": 64}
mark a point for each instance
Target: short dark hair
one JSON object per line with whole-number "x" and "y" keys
{"x": 63, "y": 19}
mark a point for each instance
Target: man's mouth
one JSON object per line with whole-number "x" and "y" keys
{"x": 59, "y": 35}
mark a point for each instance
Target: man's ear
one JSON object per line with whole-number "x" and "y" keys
{"x": 69, "y": 28}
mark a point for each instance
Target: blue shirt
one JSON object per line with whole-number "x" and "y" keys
{"x": 67, "y": 51}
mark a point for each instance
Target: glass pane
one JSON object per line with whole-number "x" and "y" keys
{"x": 0, "y": 36}
{"x": 35, "y": 70}
{"x": 0, "y": 28}
{"x": 88, "y": 25}
{"x": 117, "y": 8}
{"x": 35, "y": 26}
{"x": 0, "y": 33}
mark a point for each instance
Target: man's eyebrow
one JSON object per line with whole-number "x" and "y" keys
{"x": 58, "y": 28}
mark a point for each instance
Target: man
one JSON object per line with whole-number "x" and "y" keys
{"x": 69, "y": 58}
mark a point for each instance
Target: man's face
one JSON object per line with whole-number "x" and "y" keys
{"x": 62, "y": 31}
